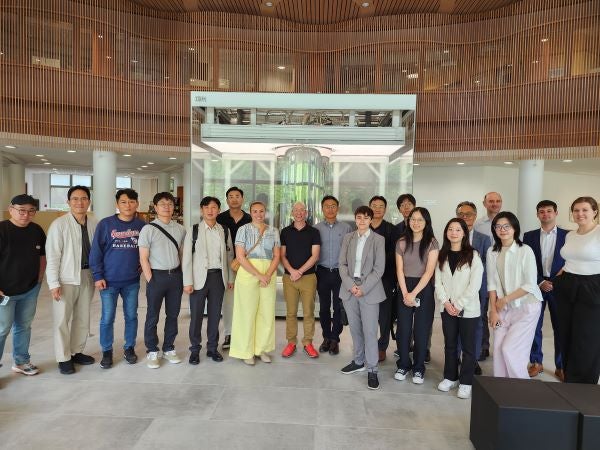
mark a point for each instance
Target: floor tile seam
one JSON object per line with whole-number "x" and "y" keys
{"x": 214, "y": 409}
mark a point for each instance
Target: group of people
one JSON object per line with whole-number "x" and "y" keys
{"x": 374, "y": 276}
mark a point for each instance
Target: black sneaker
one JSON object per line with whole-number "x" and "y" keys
{"x": 227, "y": 342}
{"x": 373, "y": 381}
{"x": 397, "y": 353}
{"x": 81, "y": 359}
{"x": 130, "y": 355}
{"x": 107, "y": 360}
{"x": 427, "y": 357}
{"x": 353, "y": 367}
{"x": 66, "y": 367}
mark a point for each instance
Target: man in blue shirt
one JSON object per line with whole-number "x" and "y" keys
{"x": 115, "y": 264}
{"x": 328, "y": 277}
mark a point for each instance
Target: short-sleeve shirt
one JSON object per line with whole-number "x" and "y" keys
{"x": 298, "y": 245}
{"x": 413, "y": 267}
{"x": 248, "y": 234}
{"x": 227, "y": 221}
{"x": 20, "y": 252}
{"x": 163, "y": 254}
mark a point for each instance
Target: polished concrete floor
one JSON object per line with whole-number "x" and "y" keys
{"x": 294, "y": 403}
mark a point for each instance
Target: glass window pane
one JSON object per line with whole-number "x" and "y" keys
{"x": 123, "y": 183}
{"x": 82, "y": 180}
{"x": 58, "y": 198}
{"x": 60, "y": 180}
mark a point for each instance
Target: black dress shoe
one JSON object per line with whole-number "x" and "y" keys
{"x": 84, "y": 360}
{"x": 484, "y": 354}
{"x": 372, "y": 380}
{"x": 334, "y": 348}
{"x": 195, "y": 358}
{"x": 477, "y": 369}
{"x": 107, "y": 360}
{"x": 215, "y": 356}
{"x": 66, "y": 367}
{"x": 324, "y": 348}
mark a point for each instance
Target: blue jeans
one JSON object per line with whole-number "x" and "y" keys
{"x": 18, "y": 314}
{"x": 109, "y": 297}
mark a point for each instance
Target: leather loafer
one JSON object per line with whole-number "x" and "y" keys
{"x": 215, "y": 356}
{"x": 535, "y": 369}
{"x": 334, "y": 348}
{"x": 84, "y": 360}
{"x": 324, "y": 348}
{"x": 66, "y": 367}
{"x": 195, "y": 358}
{"x": 560, "y": 374}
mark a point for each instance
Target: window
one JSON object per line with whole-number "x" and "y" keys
{"x": 123, "y": 183}
{"x": 60, "y": 185}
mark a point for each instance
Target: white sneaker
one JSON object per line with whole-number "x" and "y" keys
{"x": 464, "y": 391}
{"x": 445, "y": 385}
{"x": 400, "y": 375}
{"x": 171, "y": 356}
{"x": 418, "y": 378}
{"x": 265, "y": 358}
{"x": 152, "y": 360}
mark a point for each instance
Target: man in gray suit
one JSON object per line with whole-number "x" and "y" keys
{"x": 361, "y": 266}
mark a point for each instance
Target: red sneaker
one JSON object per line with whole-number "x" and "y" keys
{"x": 289, "y": 350}
{"x": 310, "y": 351}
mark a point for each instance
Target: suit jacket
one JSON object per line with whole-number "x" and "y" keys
{"x": 461, "y": 287}
{"x": 372, "y": 267}
{"x": 481, "y": 243}
{"x": 532, "y": 238}
{"x": 195, "y": 266}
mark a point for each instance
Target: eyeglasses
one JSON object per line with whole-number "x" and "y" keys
{"x": 165, "y": 205}
{"x": 23, "y": 212}
{"x": 330, "y": 206}
{"x": 415, "y": 220}
{"x": 467, "y": 215}
{"x": 504, "y": 227}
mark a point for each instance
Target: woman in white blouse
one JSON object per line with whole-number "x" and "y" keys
{"x": 578, "y": 293}
{"x": 458, "y": 277}
{"x": 515, "y": 298}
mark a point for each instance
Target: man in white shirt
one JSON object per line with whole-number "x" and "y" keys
{"x": 546, "y": 243}
{"x": 492, "y": 201}
{"x": 70, "y": 279}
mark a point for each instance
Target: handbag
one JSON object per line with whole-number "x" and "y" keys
{"x": 235, "y": 264}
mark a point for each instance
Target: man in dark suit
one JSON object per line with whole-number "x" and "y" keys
{"x": 480, "y": 242}
{"x": 546, "y": 243}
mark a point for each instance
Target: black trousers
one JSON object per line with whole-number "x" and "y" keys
{"x": 422, "y": 317}
{"x": 213, "y": 290}
{"x": 328, "y": 288}
{"x": 167, "y": 286}
{"x": 453, "y": 327}
{"x": 387, "y": 314}
{"x": 579, "y": 325}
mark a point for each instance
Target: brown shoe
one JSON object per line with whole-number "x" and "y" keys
{"x": 324, "y": 348}
{"x": 560, "y": 374}
{"x": 535, "y": 369}
{"x": 381, "y": 355}
{"x": 334, "y": 347}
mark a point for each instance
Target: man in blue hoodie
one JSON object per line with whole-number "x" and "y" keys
{"x": 115, "y": 264}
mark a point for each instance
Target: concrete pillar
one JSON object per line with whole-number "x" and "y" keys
{"x": 105, "y": 182}
{"x": 3, "y": 201}
{"x": 16, "y": 180}
{"x": 187, "y": 194}
{"x": 164, "y": 182}
{"x": 177, "y": 181}
{"x": 531, "y": 184}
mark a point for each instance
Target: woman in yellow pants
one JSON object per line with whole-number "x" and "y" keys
{"x": 257, "y": 250}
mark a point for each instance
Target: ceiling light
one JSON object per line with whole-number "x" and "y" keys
{"x": 446, "y": 51}
{"x": 126, "y": 154}
{"x": 166, "y": 78}
{"x": 43, "y": 159}
{"x": 191, "y": 49}
{"x": 108, "y": 57}
{"x": 508, "y": 162}
{"x": 172, "y": 157}
{"x": 477, "y": 81}
{"x": 125, "y": 176}
{"x": 100, "y": 36}
{"x": 404, "y": 71}
{"x": 544, "y": 39}
{"x": 139, "y": 168}
{"x": 47, "y": 163}
{"x": 41, "y": 156}
{"x": 134, "y": 61}
{"x": 144, "y": 166}
{"x": 281, "y": 67}
{"x": 71, "y": 151}
{"x": 567, "y": 160}
{"x": 365, "y": 4}
{"x": 269, "y": 4}
{"x": 150, "y": 162}
{"x": 1, "y": 53}
{"x": 11, "y": 146}
{"x": 509, "y": 65}
{"x": 416, "y": 164}
{"x": 534, "y": 61}
{"x": 446, "y": 84}
{"x": 54, "y": 168}
{"x": 460, "y": 163}
{"x": 131, "y": 173}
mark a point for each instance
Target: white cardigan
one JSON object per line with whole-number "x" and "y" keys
{"x": 462, "y": 287}
{"x": 63, "y": 250}
{"x": 520, "y": 271}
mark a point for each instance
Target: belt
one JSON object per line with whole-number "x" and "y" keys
{"x": 333, "y": 269}
{"x": 168, "y": 271}
{"x": 213, "y": 270}
{"x": 85, "y": 266}
{"x": 357, "y": 281}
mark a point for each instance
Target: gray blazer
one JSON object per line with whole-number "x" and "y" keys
{"x": 372, "y": 267}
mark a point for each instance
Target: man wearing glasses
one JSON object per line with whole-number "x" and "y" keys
{"x": 160, "y": 244}
{"x": 22, "y": 266}
{"x": 70, "y": 280}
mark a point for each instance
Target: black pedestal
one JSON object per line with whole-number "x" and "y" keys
{"x": 586, "y": 399}
{"x": 520, "y": 414}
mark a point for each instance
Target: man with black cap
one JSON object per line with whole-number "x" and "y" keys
{"x": 22, "y": 266}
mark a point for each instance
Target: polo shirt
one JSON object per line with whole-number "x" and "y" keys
{"x": 298, "y": 245}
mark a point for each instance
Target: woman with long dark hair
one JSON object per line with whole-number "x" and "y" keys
{"x": 416, "y": 257}
{"x": 458, "y": 276}
{"x": 515, "y": 298}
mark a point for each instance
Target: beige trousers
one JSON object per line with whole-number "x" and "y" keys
{"x": 295, "y": 291}
{"x": 71, "y": 316}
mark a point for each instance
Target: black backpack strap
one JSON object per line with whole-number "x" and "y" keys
{"x": 167, "y": 234}
{"x": 194, "y": 237}
{"x": 226, "y": 233}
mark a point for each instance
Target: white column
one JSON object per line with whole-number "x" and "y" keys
{"x": 177, "y": 181}
{"x": 3, "y": 189}
{"x": 16, "y": 180}
{"x": 164, "y": 181}
{"x": 531, "y": 184}
{"x": 105, "y": 182}
{"x": 187, "y": 194}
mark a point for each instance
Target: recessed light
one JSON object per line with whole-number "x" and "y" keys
{"x": 509, "y": 65}
{"x": 71, "y": 151}
{"x": 172, "y": 157}
{"x": 40, "y": 156}
{"x": 269, "y": 4}
{"x": 144, "y": 166}
{"x": 131, "y": 173}
{"x": 139, "y": 168}
{"x": 191, "y": 49}
{"x": 125, "y": 176}
{"x": 416, "y": 164}
{"x": 150, "y": 162}
{"x": 535, "y": 61}
{"x": 54, "y": 168}
{"x": 508, "y": 163}
{"x": 567, "y": 160}
{"x": 446, "y": 84}
{"x": 1, "y": 53}
{"x": 365, "y": 4}
{"x": 11, "y": 146}
{"x": 544, "y": 39}
{"x": 126, "y": 154}
{"x": 281, "y": 67}
{"x": 460, "y": 163}
{"x": 47, "y": 163}
{"x": 43, "y": 159}
{"x": 166, "y": 78}
{"x": 477, "y": 81}
{"x": 446, "y": 51}
{"x": 108, "y": 57}
{"x": 134, "y": 61}
{"x": 100, "y": 36}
